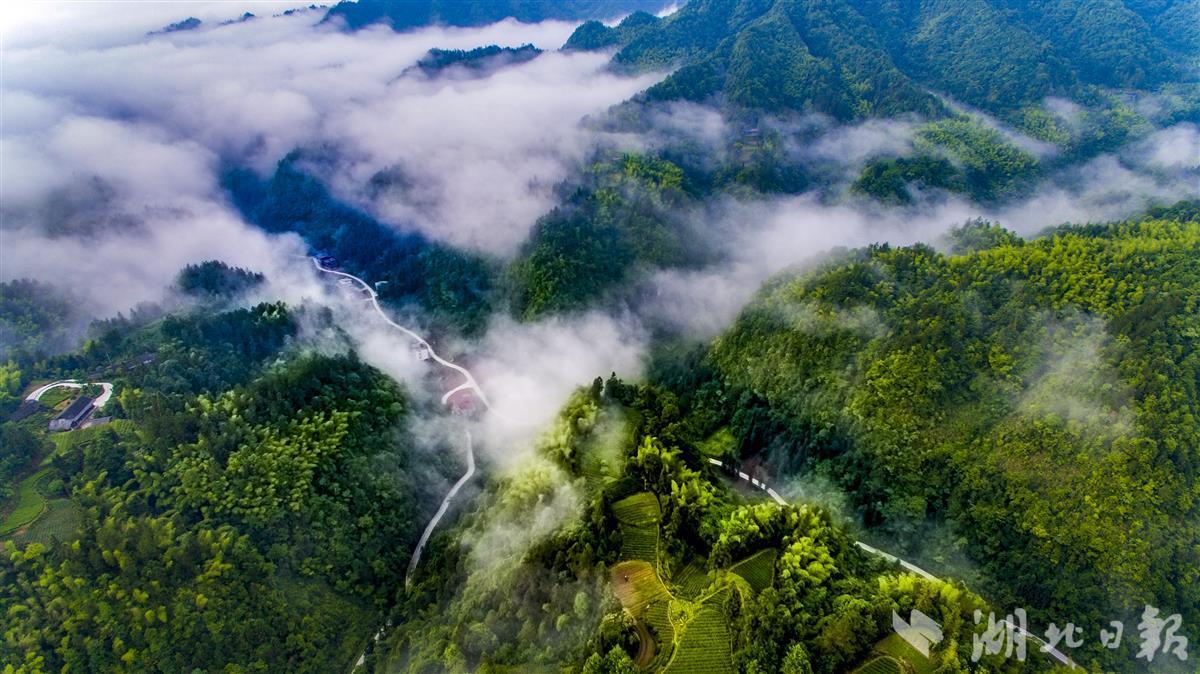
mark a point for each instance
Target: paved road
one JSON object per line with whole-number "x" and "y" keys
{"x": 416, "y": 556}
{"x": 374, "y": 299}
{"x": 469, "y": 383}
{"x": 909, "y": 566}
{"x": 100, "y": 401}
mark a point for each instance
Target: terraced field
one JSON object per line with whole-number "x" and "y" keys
{"x": 690, "y": 636}
{"x": 638, "y": 510}
{"x": 636, "y": 584}
{"x": 692, "y": 580}
{"x": 704, "y": 646}
{"x": 906, "y": 657}
{"x": 65, "y": 442}
{"x": 29, "y": 504}
{"x": 639, "y": 542}
{"x": 657, "y": 617}
{"x": 758, "y": 569}
{"x": 594, "y": 471}
{"x": 638, "y": 516}
{"x": 59, "y": 520}
{"x": 30, "y": 508}
{"x": 881, "y": 665}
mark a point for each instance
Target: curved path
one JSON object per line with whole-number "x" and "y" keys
{"x": 909, "y": 566}
{"x": 645, "y": 652}
{"x": 100, "y": 401}
{"x": 374, "y": 297}
{"x": 469, "y": 383}
{"x": 416, "y": 556}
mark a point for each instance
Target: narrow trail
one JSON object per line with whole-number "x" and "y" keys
{"x": 645, "y": 653}
{"x": 469, "y": 383}
{"x": 908, "y": 566}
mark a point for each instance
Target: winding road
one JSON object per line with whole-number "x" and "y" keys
{"x": 416, "y": 556}
{"x": 908, "y": 566}
{"x": 100, "y": 401}
{"x": 469, "y": 383}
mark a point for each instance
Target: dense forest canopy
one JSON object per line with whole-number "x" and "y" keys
{"x": 254, "y": 508}
{"x": 1018, "y": 392}
{"x": 479, "y": 58}
{"x": 35, "y": 318}
{"x": 862, "y": 58}
{"x": 214, "y": 278}
{"x": 941, "y": 390}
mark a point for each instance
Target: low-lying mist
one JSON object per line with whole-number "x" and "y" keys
{"x": 114, "y": 144}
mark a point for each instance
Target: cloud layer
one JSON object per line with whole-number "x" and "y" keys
{"x": 476, "y": 157}
{"x": 93, "y": 105}
{"x": 766, "y": 236}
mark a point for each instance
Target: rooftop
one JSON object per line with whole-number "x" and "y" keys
{"x": 76, "y": 408}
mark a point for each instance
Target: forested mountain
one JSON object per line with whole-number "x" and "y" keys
{"x": 862, "y": 58}
{"x": 1018, "y": 393}
{"x": 480, "y": 58}
{"x": 1001, "y": 403}
{"x": 411, "y": 14}
{"x": 626, "y": 218}
{"x": 214, "y": 279}
{"x": 35, "y": 317}
{"x": 956, "y": 155}
{"x": 252, "y": 508}
{"x": 1027, "y": 405}
{"x": 618, "y": 548}
{"x": 391, "y": 461}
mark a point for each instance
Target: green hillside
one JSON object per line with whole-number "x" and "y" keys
{"x": 622, "y": 221}
{"x": 863, "y": 58}
{"x": 1017, "y": 392}
{"x": 534, "y": 579}
{"x": 253, "y": 508}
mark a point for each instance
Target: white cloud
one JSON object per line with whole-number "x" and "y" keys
{"x": 535, "y": 367}
{"x": 91, "y": 102}
{"x": 854, "y": 144}
{"x": 1173, "y": 148}
{"x": 154, "y": 117}
{"x": 479, "y": 157}
{"x": 767, "y": 236}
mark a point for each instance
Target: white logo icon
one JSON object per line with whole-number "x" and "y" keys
{"x": 921, "y": 632}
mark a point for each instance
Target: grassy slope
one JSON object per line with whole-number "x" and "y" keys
{"x": 758, "y": 569}
{"x": 59, "y": 520}
{"x": 30, "y": 503}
